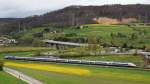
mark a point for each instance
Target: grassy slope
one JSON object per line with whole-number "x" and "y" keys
{"x": 99, "y": 75}
{"x": 101, "y": 31}
{"x": 104, "y": 31}
{"x": 8, "y": 79}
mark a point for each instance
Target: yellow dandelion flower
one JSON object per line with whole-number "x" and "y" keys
{"x": 51, "y": 68}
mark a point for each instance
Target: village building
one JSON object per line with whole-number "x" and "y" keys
{"x": 5, "y": 41}
{"x": 146, "y": 57}
{"x": 112, "y": 50}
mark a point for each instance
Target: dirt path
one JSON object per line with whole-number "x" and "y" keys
{"x": 22, "y": 76}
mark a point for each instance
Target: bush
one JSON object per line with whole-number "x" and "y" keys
{"x": 46, "y": 30}
{"x": 25, "y": 40}
{"x": 61, "y": 38}
{"x": 38, "y": 35}
{"x": 71, "y": 35}
{"x": 1, "y": 65}
{"x": 37, "y": 43}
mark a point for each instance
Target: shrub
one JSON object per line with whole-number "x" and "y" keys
{"x": 71, "y": 34}
{"x": 37, "y": 43}
{"x": 1, "y": 65}
{"x": 38, "y": 54}
{"x": 46, "y": 30}
{"x": 61, "y": 38}
{"x": 38, "y": 35}
{"x": 26, "y": 40}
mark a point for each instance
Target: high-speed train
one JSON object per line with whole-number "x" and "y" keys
{"x": 71, "y": 61}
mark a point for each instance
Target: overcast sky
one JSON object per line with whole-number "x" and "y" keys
{"x": 23, "y": 8}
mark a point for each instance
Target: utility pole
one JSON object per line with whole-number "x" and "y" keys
{"x": 120, "y": 15}
{"x": 73, "y": 19}
{"x": 139, "y": 18}
{"x": 24, "y": 27}
{"x": 19, "y": 26}
{"x": 146, "y": 18}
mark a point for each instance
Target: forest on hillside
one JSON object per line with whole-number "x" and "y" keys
{"x": 76, "y": 15}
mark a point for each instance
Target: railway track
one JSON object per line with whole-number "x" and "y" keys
{"x": 72, "y": 61}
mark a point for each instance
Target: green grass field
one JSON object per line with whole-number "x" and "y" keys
{"x": 22, "y": 49}
{"x": 98, "y": 75}
{"x": 138, "y": 60}
{"x": 100, "y": 30}
{"x": 8, "y": 79}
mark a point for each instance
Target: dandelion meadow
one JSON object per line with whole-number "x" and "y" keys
{"x": 51, "y": 68}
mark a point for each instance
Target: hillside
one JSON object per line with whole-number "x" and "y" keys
{"x": 7, "y": 20}
{"x": 107, "y": 35}
{"x": 76, "y": 15}
{"x": 6, "y": 23}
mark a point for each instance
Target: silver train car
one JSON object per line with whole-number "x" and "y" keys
{"x": 71, "y": 61}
